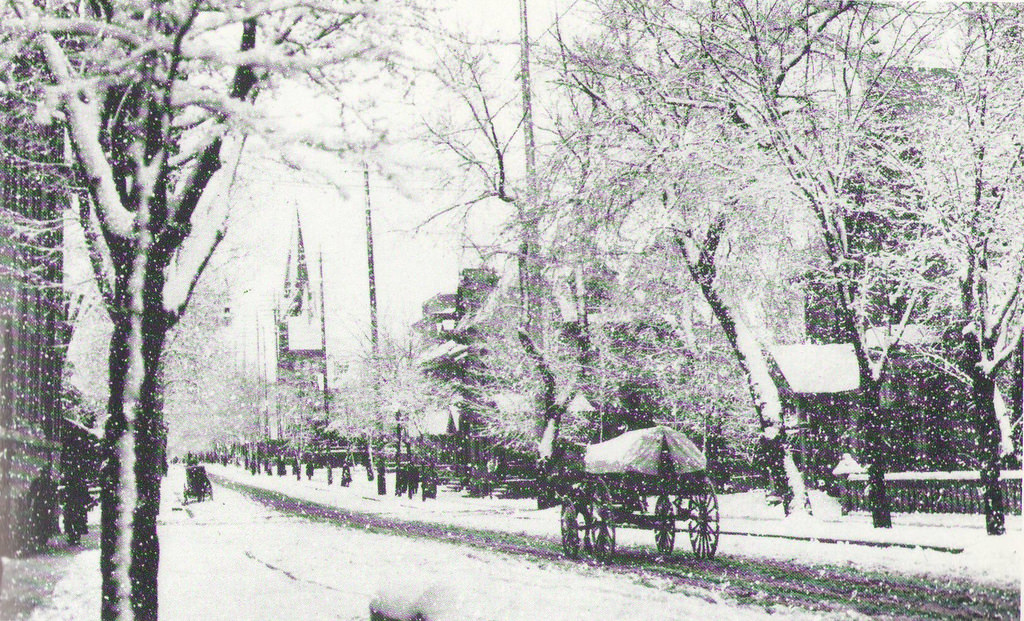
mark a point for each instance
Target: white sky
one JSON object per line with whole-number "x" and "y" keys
{"x": 410, "y": 267}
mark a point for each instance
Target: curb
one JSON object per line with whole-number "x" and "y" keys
{"x": 856, "y": 542}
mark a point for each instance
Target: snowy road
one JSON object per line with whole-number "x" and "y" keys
{"x": 256, "y": 554}
{"x": 758, "y": 586}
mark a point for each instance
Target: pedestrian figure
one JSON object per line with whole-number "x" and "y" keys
{"x": 346, "y": 475}
{"x": 382, "y": 487}
{"x": 76, "y": 508}
{"x": 429, "y": 483}
{"x": 413, "y": 481}
{"x": 399, "y": 479}
{"x": 42, "y": 502}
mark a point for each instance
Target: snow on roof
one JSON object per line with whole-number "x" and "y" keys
{"x": 611, "y": 317}
{"x": 818, "y": 368}
{"x": 848, "y": 465}
{"x": 449, "y": 349}
{"x": 442, "y": 304}
{"x": 510, "y": 402}
{"x": 96, "y": 432}
{"x": 912, "y": 334}
{"x": 579, "y": 405}
{"x": 643, "y": 451}
{"x": 435, "y": 421}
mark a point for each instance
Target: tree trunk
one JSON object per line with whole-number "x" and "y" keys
{"x": 989, "y": 436}
{"x": 130, "y": 497}
{"x": 764, "y": 393}
{"x": 878, "y": 498}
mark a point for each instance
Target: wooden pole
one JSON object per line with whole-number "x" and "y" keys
{"x": 323, "y": 332}
{"x": 370, "y": 266}
{"x": 529, "y": 268}
{"x": 373, "y": 305}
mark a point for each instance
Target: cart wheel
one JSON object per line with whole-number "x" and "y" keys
{"x": 703, "y": 522}
{"x": 665, "y": 533}
{"x": 604, "y": 541}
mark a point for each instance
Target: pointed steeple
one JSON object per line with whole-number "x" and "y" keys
{"x": 298, "y": 297}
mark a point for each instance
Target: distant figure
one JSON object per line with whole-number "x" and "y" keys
{"x": 382, "y": 486}
{"x": 76, "y": 509}
{"x": 428, "y": 483}
{"x": 43, "y": 520}
{"x": 412, "y": 482}
{"x": 346, "y": 475}
{"x": 400, "y": 470}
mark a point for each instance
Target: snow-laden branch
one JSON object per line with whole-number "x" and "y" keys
{"x": 212, "y": 21}
{"x": 84, "y": 124}
{"x": 190, "y": 263}
{"x": 39, "y": 24}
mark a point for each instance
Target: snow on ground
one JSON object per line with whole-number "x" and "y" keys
{"x": 229, "y": 558}
{"x": 984, "y": 559}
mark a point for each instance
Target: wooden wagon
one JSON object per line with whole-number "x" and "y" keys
{"x": 618, "y": 479}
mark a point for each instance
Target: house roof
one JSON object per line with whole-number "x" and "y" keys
{"x": 912, "y": 334}
{"x": 818, "y": 368}
{"x": 511, "y": 402}
{"x": 436, "y": 421}
{"x": 449, "y": 350}
{"x": 579, "y": 405}
{"x": 442, "y": 305}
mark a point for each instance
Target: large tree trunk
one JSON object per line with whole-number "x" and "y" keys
{"x": 129, "y": 549}
{"x": 878, "y": 497}
{"x": 768, "y": 404}
{"x": 989, "y": 436}
{"x": 763, "y": 391}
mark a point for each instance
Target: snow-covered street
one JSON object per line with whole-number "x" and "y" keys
{"x": 273, "y": 548}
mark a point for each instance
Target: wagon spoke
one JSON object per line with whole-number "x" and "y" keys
{"x": 665, "y": 531}
{"x": 703, "y": 522}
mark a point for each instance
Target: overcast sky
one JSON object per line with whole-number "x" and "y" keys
{"x": 411, "y": 266}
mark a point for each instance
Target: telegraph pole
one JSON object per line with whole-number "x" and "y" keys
{"x": 369, "y": 264}
{"x": 323, "y": 332}
{"x": 373, "y": 314}
{"x": 529, "y": 267}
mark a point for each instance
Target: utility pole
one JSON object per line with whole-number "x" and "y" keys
{"x": 369, "y": 264}
{"x": 373, "y": 309}
{"x": 529, "y": 266}
{"x": 323, "y": 332}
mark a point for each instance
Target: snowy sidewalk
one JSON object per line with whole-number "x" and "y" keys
{"x": 994, "y": 560}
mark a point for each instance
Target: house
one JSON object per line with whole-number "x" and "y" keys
{"x": 34, "y": 191}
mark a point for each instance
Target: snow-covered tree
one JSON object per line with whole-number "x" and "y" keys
{"x": 962, "y": 168}
{"x": 669, "y": 163}
{"x": 155, "y": 96}
{"x": 805, "y": 80}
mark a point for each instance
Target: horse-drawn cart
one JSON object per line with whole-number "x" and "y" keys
{"x": 197, "y": 484}
{"x": 617, "y": 480}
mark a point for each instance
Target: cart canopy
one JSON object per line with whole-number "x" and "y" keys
{"x": 654, "y": 451}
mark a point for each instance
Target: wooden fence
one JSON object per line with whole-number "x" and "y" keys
{"x": 931, "y": 492}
